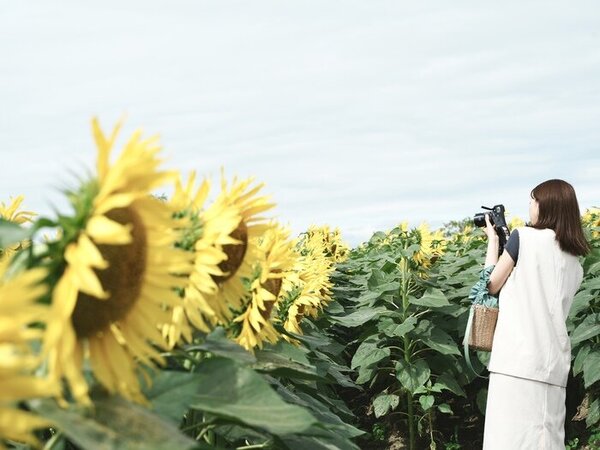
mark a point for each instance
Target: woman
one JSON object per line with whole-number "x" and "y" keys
{"x": 539, "y": 273}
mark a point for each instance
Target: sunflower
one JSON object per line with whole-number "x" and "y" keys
{"x": 207, "y": 232}
{"x": 18, "y": 310}
{"x": 308, "y": 297}
{"x": 274, "y": 260}
{"x": 516, "y": 222}
{"x": 591, "y": 218}
{"x": 432, "y": 246}
{"x": 332, "y": 246}
{"x": 307, "y": 289}
{"x": 239, "y": 265}
{"x": 317, "y": 285}
{"x": 114, "y": 271}
{"x": 12, "y": 213}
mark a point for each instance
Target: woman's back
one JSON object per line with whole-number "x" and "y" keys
{"x": 531, "y": 338}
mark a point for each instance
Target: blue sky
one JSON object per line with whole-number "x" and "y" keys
{"x": 356, "y": 114}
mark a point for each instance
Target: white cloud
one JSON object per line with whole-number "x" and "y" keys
{"x": 358, "y": 114}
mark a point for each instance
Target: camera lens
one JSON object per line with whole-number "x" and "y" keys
{"x": 479, "y": 220}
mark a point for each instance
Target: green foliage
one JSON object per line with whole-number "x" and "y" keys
{"x": 400, "y": 325}
{"x": 404, "y": 327}
{"x": 385, "y": 356}
{"x": 583, "y": 325}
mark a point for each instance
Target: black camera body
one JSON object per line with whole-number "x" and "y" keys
{"x": 496, "y": 218}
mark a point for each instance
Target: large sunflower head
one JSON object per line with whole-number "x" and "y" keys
{"x": 275, "y": 259}
{"x": 12, "y": 213}
{"x": 19, "y": 310}
{"x": 114, "y": 270}
{"x": 206, "y": 231}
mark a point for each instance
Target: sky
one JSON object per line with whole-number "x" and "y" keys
{"x": 356, "y": 114}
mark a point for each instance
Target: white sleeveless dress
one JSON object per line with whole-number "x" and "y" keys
{"x": 531, "y": 353}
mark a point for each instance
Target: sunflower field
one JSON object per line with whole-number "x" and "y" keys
{"x": 139, "y": 320}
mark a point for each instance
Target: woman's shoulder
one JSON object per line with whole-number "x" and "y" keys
{"x": 531, "y": 230}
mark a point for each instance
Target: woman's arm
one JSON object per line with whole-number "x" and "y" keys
{"x": 501, "y": 272}
{"x": 504, "y": 265}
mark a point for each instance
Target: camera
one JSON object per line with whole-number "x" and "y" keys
{"x": 498, "y": 220}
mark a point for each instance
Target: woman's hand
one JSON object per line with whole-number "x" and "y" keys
{"x": 490, "y": 229}
{"x": 491, "y": 257}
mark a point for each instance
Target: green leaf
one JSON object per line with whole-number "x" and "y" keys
{"x": 433, "y": 298}
{"x": 481, "y": 400}
{"x": 368, "y": 354}
{"x": 217, "y": 343}
{"x": 241, "y": 395}
{"x": 412, "y": 375}
{"x": 591, "y": 368}
{"x": 591, "y": 283}
{"x": 593, "y": 413}
{"x": 365, "y": 373}
{"x": 423, "y": 329}
{"x": 296, "y": 442}
{"x": 114, "y": 424}
{"x": 441, "y": 342}
{"x": 399, "y": 330}
{"x": 377, "y": 278}
{"x": 358, "y": 318}
{"x": 11, "y": 233}
{"x": 581, "y": 302}
{"x": 426, "y": 401}
{"x": 368, "y": 298}
{"x": 171, "y": 393}
{"x": 588, "y": 328}
{"x": 410, "y": 251}
{"x": 580, "y": 358}
{"x": 445, "y": 408}
{"x": 281, "y": 365}
{"x": 447, "y": 381}
{"x": 453, "y": 310}
{"x": 384, "y": 403}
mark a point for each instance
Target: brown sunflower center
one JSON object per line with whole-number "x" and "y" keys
{"x": 300, "y": 313}
{"x": 122, "y": 279}
{"x": 235, "y": 253}
{"x": 273, "y": 285}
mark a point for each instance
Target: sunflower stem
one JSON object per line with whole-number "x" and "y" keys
{"x": 249, "y": 447}
{"x": 55, "y": 439}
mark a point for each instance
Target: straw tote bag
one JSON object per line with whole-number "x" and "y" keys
{"x": 483, "y": 315}
{"x": 483, "y": 327}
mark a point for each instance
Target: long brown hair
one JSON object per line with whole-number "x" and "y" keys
{"x": 559, "y": 210}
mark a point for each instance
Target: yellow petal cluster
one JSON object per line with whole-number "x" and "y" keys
{"x": 591, "y": 218}
{"x": 516, "y": 222}
{"x": 307, "y": 289}
{"x": 209, "y": 232}
{"x": 18, "y": 310}
{"x": 274, "y": 261}
{"x": 330, "y": 242}
{"x": 242, "y": 197}
{"x": 432, "y": 246}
